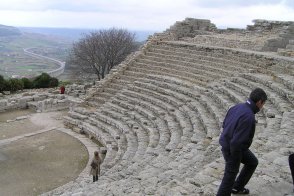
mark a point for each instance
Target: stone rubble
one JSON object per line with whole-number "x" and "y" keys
{"x": 44, "y": 100}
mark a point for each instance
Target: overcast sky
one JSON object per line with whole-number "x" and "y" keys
{"x": 155, "y": 15}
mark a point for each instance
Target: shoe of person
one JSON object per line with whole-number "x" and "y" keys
{"x": 243, "y": 191}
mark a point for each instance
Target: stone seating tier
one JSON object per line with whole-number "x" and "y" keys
{"x": 160, "y": 115}
{"x": 223, "y": 61}
{"x": 213, "y": 54}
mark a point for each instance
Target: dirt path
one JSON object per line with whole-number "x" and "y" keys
{"x": 39, "y": 163}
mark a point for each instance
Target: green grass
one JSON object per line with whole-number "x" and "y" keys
{"x": 13, "y": 61}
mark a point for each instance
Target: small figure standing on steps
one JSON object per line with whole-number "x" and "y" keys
{"x": 236, "y": 138}
{"x": 291, "y": 164}
{"x": 62, "y": 89}
{"x": 95, "y": 166}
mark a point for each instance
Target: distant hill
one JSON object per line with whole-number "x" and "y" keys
{"x": 75, "y": 34}
{"x": 9, "y": 31}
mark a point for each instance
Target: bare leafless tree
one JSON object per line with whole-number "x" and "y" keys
{"x": 99, "y": 51}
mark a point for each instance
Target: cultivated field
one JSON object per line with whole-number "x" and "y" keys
{"x": 14, "y": 62}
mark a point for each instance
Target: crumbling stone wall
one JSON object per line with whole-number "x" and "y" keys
{"x": 191, "y": 27}
{"x": 263, "y": 35}
{"x": 284, "y": 31}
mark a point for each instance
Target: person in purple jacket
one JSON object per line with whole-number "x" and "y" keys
{"x": 235, "y": 139}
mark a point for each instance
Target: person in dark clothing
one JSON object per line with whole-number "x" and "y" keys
{"x": 95, "y": 166}
{"x": 235, "y": 139}
{"x": 291, "y": 164}
{"x": 62, "y": 89}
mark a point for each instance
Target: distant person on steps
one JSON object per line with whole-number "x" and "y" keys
{"x": 62, "y": 89}
{"x": 236, "y": 138}
{"x": 95, "y": 166}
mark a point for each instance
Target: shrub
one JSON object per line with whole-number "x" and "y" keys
{"x": 27, "y": 83}
{"x": 42, "y": 81}
{"x": 14, "y": 84}
{"x": 2, "y": 83}
{"x": 53, "y": 82}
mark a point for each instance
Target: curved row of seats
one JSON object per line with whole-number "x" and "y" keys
{"x": 270, "y": 140}
{"x": 161, "y": 117}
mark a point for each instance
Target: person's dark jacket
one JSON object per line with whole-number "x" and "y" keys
{"x": 239, "y": 127}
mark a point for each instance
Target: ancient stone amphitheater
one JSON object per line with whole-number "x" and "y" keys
{"x": 159, "y": 113}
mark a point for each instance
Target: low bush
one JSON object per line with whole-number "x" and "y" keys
{"x": 2, "y": 83}
{"x": 42, "y": 81}
{"x": 45, "y": 81}
{"x": 53, "y": 82}
{"x": 27, "y": 83}
{"x": 14, "y": 84}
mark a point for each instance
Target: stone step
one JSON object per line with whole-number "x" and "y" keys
{"x": 137, "y": 159}
{"x": 186, "y": 77}
{"x": 149, "y": 125}
{"x": 189, "y": 63}
{"x": 182, "y": 97}
{"x": 286, "y": 80}
{"x": 275, "y": 88}
{"x": 166, "y": 68}
{"x": 216, "y": 53}
{"x": 176, "y": 94}
{"x": 170, "y": 120}
{"x": 191, "y": 59}
{"x": 161, "y": 101}
{"x": 290, "y": 47}
{"x": 102, "y": 136}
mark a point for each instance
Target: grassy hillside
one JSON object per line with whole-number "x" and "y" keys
{"x": 14, "y": 62}
{"x": 9, "y": 31}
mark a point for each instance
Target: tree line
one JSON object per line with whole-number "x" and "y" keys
{"x": 14, "y": 84}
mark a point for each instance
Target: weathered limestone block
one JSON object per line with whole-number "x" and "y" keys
{"x": 60, "y": 97}
{"x": 21, "y": 117}
{"x": 23, "y": 102}
{"x": 6, "y": 92}
{"x": 37, "y": 98}
{"x": 3, "y": 103}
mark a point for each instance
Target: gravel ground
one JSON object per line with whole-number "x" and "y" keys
{"x": 39, "y": 163}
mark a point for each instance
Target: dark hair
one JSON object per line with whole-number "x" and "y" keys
{"x": 96, "y": 153}
{"x": 258, "y": 94}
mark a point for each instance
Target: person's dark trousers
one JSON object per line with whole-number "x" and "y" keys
{"x": 95, "y": 178}
{"x": 291, "y": 164}
{"x": 232, "y": 168}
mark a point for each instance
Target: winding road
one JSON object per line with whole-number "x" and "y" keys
{"x": 53, "y": 73}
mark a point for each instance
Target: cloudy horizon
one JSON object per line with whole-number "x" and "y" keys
{"x": 140, "y": 15}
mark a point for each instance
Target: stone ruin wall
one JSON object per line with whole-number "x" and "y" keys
{"x": 44, "y": 100}
{"x": 283, "y": 30}
{"x": 263, "y": 35}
